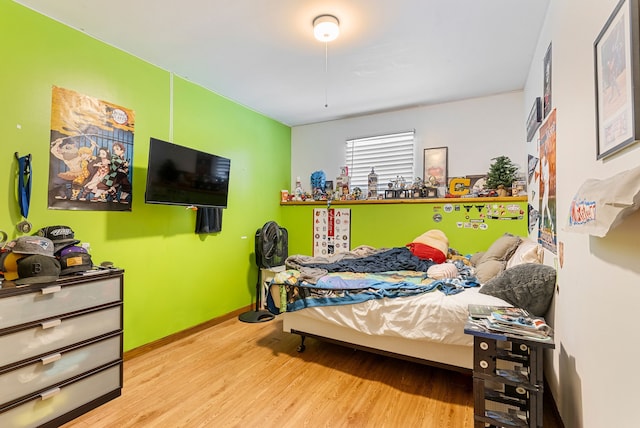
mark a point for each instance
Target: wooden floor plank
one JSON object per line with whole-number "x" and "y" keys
{"x": 235, "y": 374}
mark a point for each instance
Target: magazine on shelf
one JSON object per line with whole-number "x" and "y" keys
{"x": 528, "y": 324}
{"x": 485, "y": 325}
{"x": 516, "y": 331}
{"x": 477, "y": 312}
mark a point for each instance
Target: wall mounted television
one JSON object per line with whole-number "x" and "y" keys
{"x": 178, "y": 175}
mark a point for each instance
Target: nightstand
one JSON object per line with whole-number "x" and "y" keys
{"x": 507, "y": 379}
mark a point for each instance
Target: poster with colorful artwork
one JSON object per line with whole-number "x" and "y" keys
{"x": 91, "y": 153}
{"x": 547, "y": 178}
{"x": 331, "y": 231}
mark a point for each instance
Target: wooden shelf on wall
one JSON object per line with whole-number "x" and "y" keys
{"x": 410, "y": 201}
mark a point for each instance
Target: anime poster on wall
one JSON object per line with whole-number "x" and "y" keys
{"x": 91, "y": 153}
{"x": 547, "y": 177}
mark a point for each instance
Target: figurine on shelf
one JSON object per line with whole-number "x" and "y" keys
{"x": 298, "y": 192}
{"x": 318, "y": 180}
{"x": 502, "y": 192}
{"x": 372, "y": 185}
{"x": 357, "y": 193}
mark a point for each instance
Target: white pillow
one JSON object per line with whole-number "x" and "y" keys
{"x": 527, "y": 252}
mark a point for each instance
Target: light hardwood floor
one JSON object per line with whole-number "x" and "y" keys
{"x": 235, "y": 374}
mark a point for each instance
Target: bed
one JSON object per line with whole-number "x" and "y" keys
{"x": 410, "y": 313}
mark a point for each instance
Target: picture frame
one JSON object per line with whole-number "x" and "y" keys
{"x": 430, "y": 192}
{"x": 436, "y": 165}
{"x": 480, "y": 179}
{"x": 535, "y": 118}
{"x": 617, "y": 73}
{"x": 546, "y": 89}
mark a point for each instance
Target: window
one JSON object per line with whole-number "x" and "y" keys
{"x": 390, "y": 155}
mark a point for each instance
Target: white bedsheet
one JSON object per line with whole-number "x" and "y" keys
{"x": 431, "y": 316}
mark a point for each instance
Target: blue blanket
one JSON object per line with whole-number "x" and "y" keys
{"x": 345, "y": 288}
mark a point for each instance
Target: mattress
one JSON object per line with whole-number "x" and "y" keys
{"x": 430, "y": 317}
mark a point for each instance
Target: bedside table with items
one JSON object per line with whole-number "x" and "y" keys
{"x": 507, "y": 378}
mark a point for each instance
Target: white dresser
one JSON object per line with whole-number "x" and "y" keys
{"x": 60, "y": 348}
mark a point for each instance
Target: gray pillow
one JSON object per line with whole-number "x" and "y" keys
{"x": 529, "y": 286}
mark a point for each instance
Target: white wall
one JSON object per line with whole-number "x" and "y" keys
{"x": 475, "y": 131}
{"x": 593, "y": 372}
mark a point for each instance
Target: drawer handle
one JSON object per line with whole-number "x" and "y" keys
{"x": 50, "y": 393}
{"x": 51, "y": 290}
{"x": 50, "y": 358}
{"x": 51, "y": 323}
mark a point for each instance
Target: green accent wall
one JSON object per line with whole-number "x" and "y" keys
{"x": 174, "y": 278}
{"x": 395, "y": 225}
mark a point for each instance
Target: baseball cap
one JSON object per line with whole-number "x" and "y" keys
{"x": 72, "y": 249}
{"x": 62, "y": 236}
{"x": 34, "y": 245}
{"x": 9, "y": 265}
{"x": 37, "y": 269}
{"x": 75, "y": 262}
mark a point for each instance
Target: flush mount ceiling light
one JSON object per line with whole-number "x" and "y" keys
{"x": 326, "y": 28}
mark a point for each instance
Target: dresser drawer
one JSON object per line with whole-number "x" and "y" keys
{"x": 58, "y": 299}
{"x": 54, "y": 334}
{"x": 58, "y": 401}
{"x": 57, "y": 367}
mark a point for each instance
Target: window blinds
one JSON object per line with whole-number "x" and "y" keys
{"x": 391, "y": 155}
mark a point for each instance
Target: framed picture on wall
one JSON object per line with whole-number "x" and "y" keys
{"x": 535, "y": 119}
{"x": 435, "y": 165}
{"x": 617, "y": 66}
{"x": 546, "y": 90}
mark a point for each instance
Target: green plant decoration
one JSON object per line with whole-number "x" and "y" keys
{"x": 501, "y": 171}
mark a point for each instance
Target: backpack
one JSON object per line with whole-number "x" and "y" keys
{"x": 272, "y": 245}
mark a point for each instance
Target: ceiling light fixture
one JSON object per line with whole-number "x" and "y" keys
{"x": 326, "y": 28}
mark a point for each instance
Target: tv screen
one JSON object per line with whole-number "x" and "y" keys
{"x": 178, "y": 175}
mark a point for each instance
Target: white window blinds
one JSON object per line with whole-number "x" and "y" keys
{"x": 391, "y": 155}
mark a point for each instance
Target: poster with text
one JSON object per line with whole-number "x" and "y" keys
{"x": 547, "y": 178}
{"x": 91, "y": 153}
{"x": 331, "y": 231}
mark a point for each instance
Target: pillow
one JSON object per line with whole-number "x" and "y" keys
{"x": 494, "y": 260}
{"x": 476, "y": 257}
{"x": 529, "y": 286}
{"x": 527, "y": 252}
{"x": 443, "y": 270}
{"x": 502, "y": 248}
{"x": 433, "y": 244}
{"x": 425, "y": 252}
{"x": 488, "y": 270}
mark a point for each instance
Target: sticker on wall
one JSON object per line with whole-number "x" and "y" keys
{"x": 448, "y": 208}
{"x": 505, "y": 212}
{"x": 91, "y": 152}
{"x": 437, "y": 218}
{"x": 331, "y": 231}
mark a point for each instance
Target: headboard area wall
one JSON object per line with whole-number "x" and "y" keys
{"x": 470, "y": 224}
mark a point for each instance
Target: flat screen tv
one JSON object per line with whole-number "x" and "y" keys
{"x": 178, "y": 175}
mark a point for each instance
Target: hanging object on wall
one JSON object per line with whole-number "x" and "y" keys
{"x": 600, "y": 205}
{"x": 331, "y": 231}
{"x": 547, "y": 234}
{"x": 24, "y": 190}
{"x": 91, "y": 151}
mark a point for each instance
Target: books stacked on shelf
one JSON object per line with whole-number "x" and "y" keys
{"x": 513, "y": 321}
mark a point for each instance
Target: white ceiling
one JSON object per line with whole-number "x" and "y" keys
{"x": 391, "y": 54}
